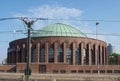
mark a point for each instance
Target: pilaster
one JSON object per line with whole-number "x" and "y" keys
{"x": 55, "y": 52}
{"x": 64, "y": 51}
{"x": 46, "y": 53}
{"x": 73, "y": 54}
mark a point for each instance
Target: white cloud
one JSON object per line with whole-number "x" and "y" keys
{"x": 55, "y": 12}
{"x": 52, "y": 12}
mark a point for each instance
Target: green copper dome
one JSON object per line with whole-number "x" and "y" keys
{"x": 58, "y": 29}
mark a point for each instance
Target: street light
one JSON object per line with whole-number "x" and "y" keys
{"x": 97, "y": 23}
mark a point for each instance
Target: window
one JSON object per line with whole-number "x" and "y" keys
{"x": 77, "y": 56}
{"x": 42, "y": 55}
{"x": 42, "y": 69}
{"x": 34, "y": 59}
{"x": 51, "y": 55}
{"x": 93, "y": 55}
{"x": 102, "y": 71}
{"x": 80, "y": 71}
{"x": 116, "y": 71}
{"x": 60, "y": 54}
{"x": 62, "y": 71}
{"x": 85, "y": 56}
{"x": 73, "y": 71}
{"x": 69, "y": 56}
{"x": 87, "y": 71}
{"x": 109, "y": 71}
{"x": 95, "y": 71}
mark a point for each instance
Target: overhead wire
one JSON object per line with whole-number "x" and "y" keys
{"x": 35, "y": 19}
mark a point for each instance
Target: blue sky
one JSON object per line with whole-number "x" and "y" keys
{"x": 65, "y": 9}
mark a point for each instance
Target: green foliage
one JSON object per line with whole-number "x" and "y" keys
{"x": 113, "y": 59}
{"x": 118, "y": 79}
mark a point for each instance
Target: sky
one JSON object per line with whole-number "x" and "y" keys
{"x": 81, "y": 14}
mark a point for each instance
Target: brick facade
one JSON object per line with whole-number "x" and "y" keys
{"x": 61, "y": 55}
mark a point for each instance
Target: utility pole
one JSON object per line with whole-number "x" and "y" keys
{"x": 28, "y": 23}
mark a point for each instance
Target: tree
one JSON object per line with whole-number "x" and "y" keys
{"x": 113, "y": 59}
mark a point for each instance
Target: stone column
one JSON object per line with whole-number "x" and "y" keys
{"x": 73, "y": 56}
{"x": 38, "y": 52}
{"x": 64, "y": 52}
{"x": 46, "y": 53}
{"x": 82, "y": 54}
{"x": 89, "y": 53}
{"x": 104, "y": 56}
{"x": 55, "y": 52}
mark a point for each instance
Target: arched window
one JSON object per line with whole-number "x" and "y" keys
{"x": 51, "y": 55}
{"x": 34, "y": 59}
{"x": 77, "y": 56}
{"x": 99, "y": 55}
{"x": 68, "y": 56}
{"x": 85, "y": 56}
{"x": 93, "y": 55}
{"x": 60, "y": 54}
{"x": 42, "y": 55}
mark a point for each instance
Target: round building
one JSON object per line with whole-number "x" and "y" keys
{"x": 58, "y": 48}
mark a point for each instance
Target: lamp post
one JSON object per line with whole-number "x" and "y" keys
{"x": 97, "y": 23}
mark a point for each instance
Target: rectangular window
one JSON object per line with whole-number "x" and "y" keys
{"x": 73, "y": 71}
{"x": 116, "y": 71}
{"x": 62, "y": 71}
{"x": 102, "y": 71}
{"x": 87, "y": 71}
{"x": 109, "y": 71}
{"x": 80, "y": 71}
{"x": 95, "y": 71}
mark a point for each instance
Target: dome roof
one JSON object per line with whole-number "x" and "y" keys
{"x": 58, "y": 29}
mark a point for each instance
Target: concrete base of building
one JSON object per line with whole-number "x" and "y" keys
{"x": 58, "y": 77}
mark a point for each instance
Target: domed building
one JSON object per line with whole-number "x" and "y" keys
{"x": 59, "y": 48}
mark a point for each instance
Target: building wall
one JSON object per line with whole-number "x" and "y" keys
{"x": 7, "y": 68}
{"x": 87, "y": 49}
